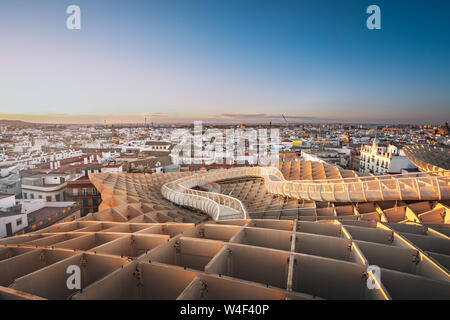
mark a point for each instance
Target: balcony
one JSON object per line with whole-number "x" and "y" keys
{"x": 82, "y": 194}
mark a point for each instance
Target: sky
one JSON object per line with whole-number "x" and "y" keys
{"x": 225, "y": 61}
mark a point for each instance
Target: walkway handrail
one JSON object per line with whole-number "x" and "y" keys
{"x": 180, "y": 191}
{"x": 374, "y": 177}
{"x": 208, "y": 206}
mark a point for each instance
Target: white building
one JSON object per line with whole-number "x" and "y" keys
{"x": 114, "y": 168}
{"x": 383, "y": 160}
{"x": 156, "y": 146}
{"x": 12, "y": 219}
{"x": 50, "y": 187}
{"x": 16, "y": 215}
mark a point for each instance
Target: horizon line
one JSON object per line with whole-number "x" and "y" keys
{"x": 230, "y": 118}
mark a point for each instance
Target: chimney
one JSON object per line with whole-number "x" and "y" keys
{"x": 51, "y": 165}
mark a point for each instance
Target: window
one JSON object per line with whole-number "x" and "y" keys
{"x": 31, "y": 195}
{"x": 48, "y": 198}
{"x": 19, "y": 222}
{"x": 75, "y": 191}
{"x": 40, "y": 196}
{"x": 25, "y": 195}
{"x": 58, "y": 197}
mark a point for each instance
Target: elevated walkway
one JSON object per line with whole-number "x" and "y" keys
{"x": 412, "y": 186}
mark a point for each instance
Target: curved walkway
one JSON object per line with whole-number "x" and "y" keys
{"x": 415, "y": 186}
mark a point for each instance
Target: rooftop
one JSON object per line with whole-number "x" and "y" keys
{"x": 283, "y": 250}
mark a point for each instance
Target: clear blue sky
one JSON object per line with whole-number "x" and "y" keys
{"x": 227, "y": 59}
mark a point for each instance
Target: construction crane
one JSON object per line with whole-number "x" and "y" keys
{"x": 287, "y": 123}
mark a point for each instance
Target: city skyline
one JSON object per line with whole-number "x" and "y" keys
{"x": 221, "y": 119}
{"x": 223, "y": 154}
{"x": 225, "y": 62}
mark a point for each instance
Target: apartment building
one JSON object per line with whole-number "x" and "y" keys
{"x": 18, "y": 216}
{"x": 12, "y": 219}
{"x": 48, "y": 186}
{"x": 157, "y": 146}
{"x": 83, "y": 192}
{"x": 383, "y": 159}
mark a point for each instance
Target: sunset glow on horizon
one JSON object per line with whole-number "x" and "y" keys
{"x": 228, "y": 61}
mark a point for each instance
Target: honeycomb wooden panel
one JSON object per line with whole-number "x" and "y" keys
{"x": 51, "y": 282}
{"x": 233, "y": 258}
{"x": 141, "y": 246}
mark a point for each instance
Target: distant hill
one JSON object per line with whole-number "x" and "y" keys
{"x": 17, "y": 123}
